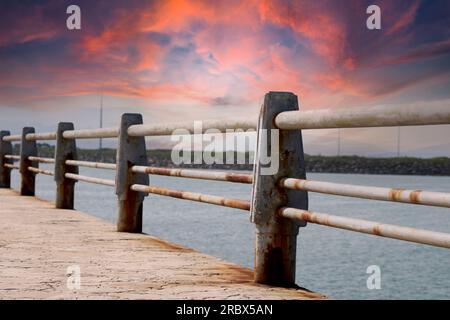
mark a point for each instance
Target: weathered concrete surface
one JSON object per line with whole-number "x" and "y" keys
{"x": 39, "y": 242}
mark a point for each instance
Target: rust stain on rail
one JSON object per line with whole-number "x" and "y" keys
{"x": 162, "y": 171}
{"x": 239, "y": 204}
{"x": 227, "y": 202}
{"x": 414, "y": 196}
{"x": 167, "y": 192}
{"x": 395, "y": 194}
{"x": 238, "y": 177}
{"x": 197, "y": 174}
{"x": 377, "y": 230}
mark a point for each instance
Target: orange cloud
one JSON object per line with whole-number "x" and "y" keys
{"x": 327, "y": 36}
{"x": 227, "y": 52}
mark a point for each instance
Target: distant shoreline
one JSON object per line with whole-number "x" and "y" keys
{"x": 323, "y": 164}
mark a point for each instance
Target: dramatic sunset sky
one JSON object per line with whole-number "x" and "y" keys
{"x": 175, "y": 60}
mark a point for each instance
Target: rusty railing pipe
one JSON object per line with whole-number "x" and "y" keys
{"x": 193, "y": 196}
{"x": 429, "y": 198}
{"x": 41, "y": 171}
{"x": 437, "y": 239}
{"x": 79, "y": 177}
{"x": 91, "y": 164}
{"x": 196, "y": 174}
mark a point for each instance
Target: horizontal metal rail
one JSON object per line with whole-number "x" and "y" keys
{"x": 141, "y": 130}
{"x": 437, "y": 239}
{"x": 429, "y": 198}
{"x": 41, "y": 136}
{"x": 90, "y": 164}
{"x": 91, "y": 133}
{"x": 104, "y": 182}
{"x": 384, "y": 116}
{"x": 41, "y": 159}
{"x": 12, "y": 138}
{"x": 169, "y": 128}
{"x": 220, "y": 201}
{"x": 12, "y": 157}
{"x": 11, "y": 166}
{"x": 195, "y": 174}
{"x": 41, "y": 171}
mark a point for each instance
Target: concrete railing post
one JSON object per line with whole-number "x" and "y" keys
{"x": 130, "y": 151}
{"x": 66, "y": 149}
{"x": 276, "y": 237}
{"x": 27, "y": 149}
{"x": 5, "y": 148}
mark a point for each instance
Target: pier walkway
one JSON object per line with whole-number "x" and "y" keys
{"x": 38, "y": 244}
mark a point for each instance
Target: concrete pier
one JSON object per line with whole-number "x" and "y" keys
{"x": 38, "y": 243}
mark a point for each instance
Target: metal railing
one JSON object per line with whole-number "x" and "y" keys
{"x": 279, "y": 201}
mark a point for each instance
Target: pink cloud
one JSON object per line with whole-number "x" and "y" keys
{"x": 324, "y": 30}
{"x": 405, "y": 20}
{"x": 34, "y": 23}
{"x": 231, "y": 51}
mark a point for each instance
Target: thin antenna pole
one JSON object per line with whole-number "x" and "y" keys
{"x": 398, "y": 142}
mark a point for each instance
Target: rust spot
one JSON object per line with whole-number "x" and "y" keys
{"x": 414, "y": 196}
{"x": 376, "y": 230}
{"x": 308, "y": 216}
{"x": 239, "y": 204}
{"x": 394, "y": 194}
{"x": 273, "y": 270}
{"x": 233, "y": 203}
{"x": 159, "y": 171}
{"x": 245, "y": 205}
{"x": 167, "y": 192}
{"x": 175, "y": 194}
{"x": 236, "y": 177}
